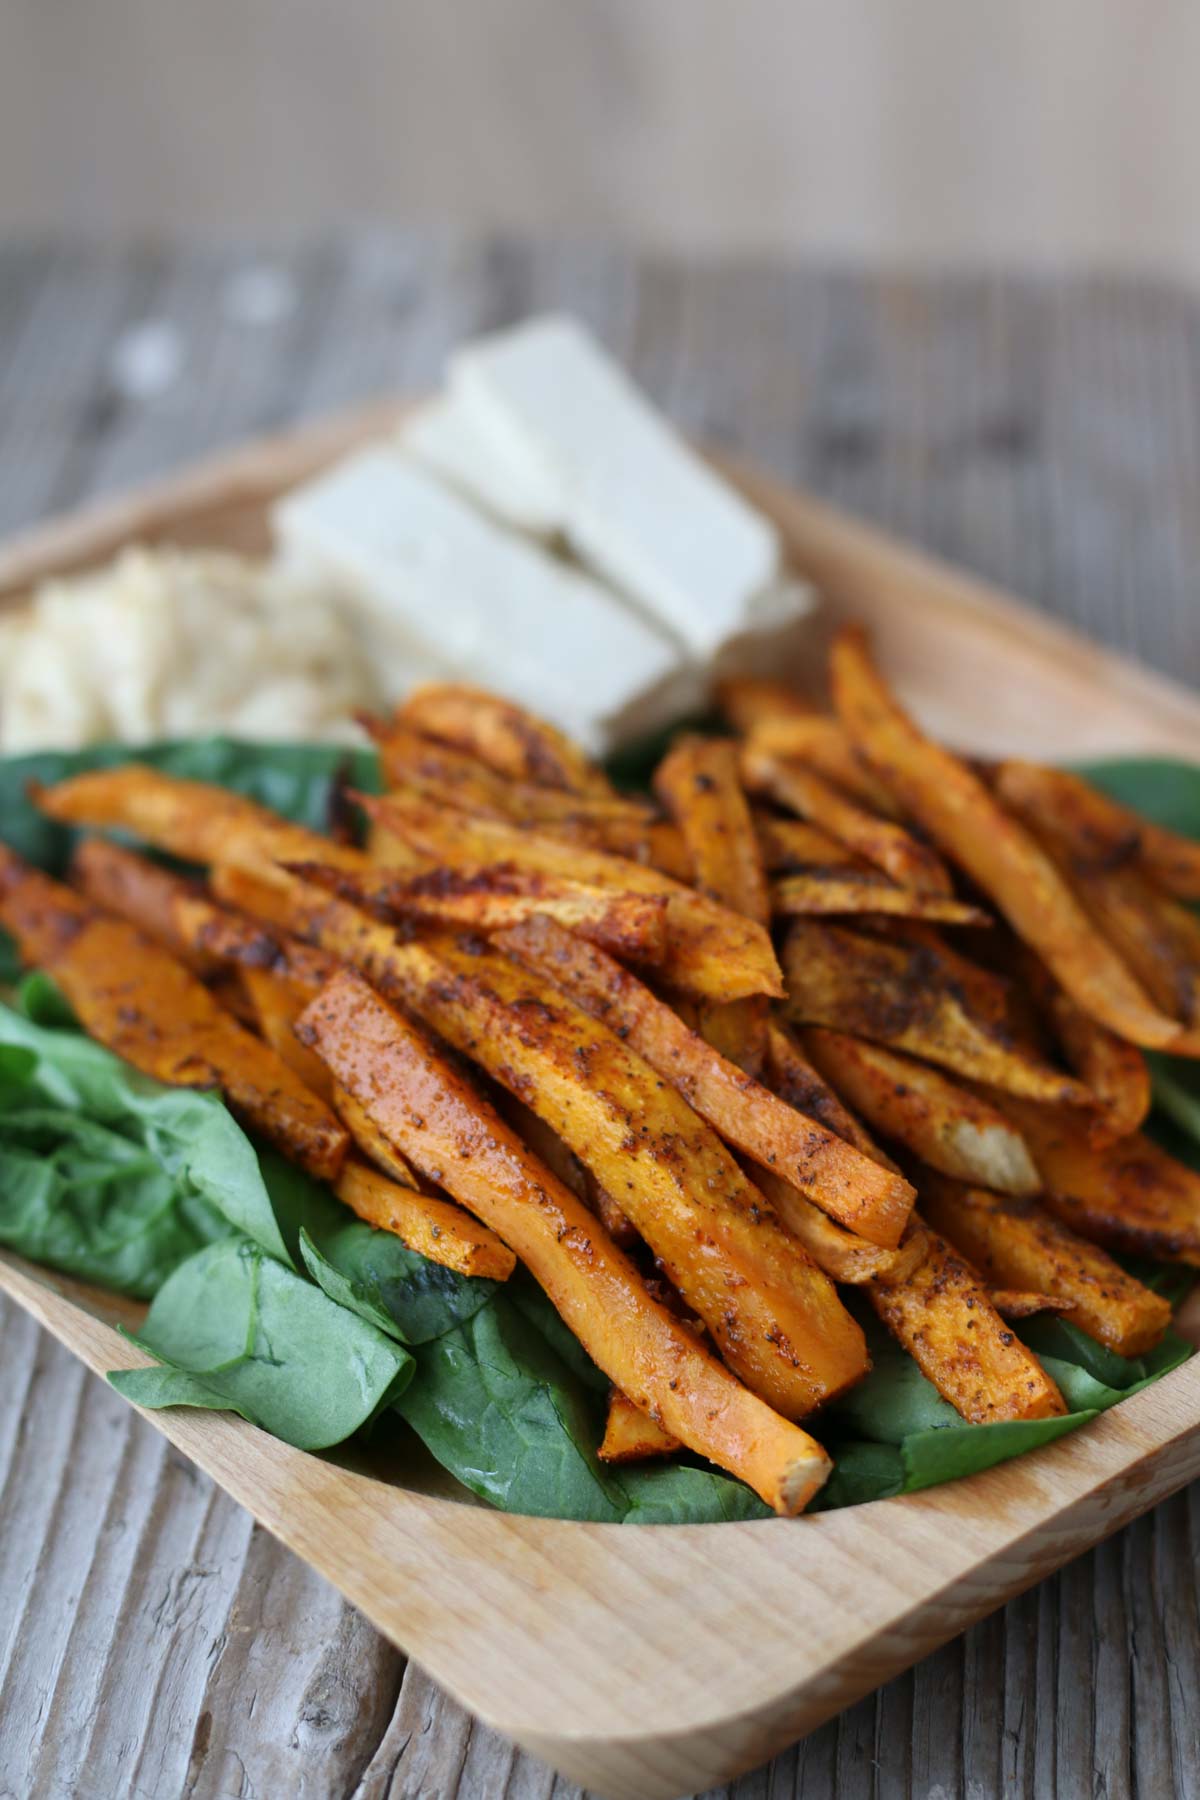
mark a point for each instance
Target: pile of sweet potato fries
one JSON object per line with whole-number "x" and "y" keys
{"x": 653, "y": 1049}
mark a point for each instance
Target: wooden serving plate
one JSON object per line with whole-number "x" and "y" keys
{"x": 652, "y": 1661}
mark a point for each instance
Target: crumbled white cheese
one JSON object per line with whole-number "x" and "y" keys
{"x": 166, "y": 643}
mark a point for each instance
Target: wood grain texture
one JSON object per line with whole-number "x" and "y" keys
{"x": 1044, "y": 434}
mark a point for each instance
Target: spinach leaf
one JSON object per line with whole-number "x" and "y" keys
{"x": 512, "y": 1420}
{"x": 236, "y": 1330}
{"x": 188, "y": 1137}
{"x": 1159, "y": 787}
{"x": 894, "y": 1434}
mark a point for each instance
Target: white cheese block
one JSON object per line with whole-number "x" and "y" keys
{"x": 481, "y": 603}
{"x": 444, "y": 439}
{"x": 634, "y": 502}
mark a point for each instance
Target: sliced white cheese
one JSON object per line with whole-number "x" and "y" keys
{"x": 634, "y": 502}
{"x": 445, "y": 440}
{"x": 482, "y": 603}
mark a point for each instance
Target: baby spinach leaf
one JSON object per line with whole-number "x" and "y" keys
{"x": 1159, "y": 787}
{"x": 931, "y": 1457}
{"x": 193, "y": 1142}
{"x": 235, "y": 1329}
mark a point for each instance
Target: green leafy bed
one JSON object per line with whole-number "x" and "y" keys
{"x": 269, "y": 1300}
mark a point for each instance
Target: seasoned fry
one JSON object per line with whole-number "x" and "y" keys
{"x": 947, "y": 1126}
{"x": 1113, "y": 1072}
{"x": 791, "y": 844}
{"x": 1017, "y": 1244}
{"x": 489, "y": 899}
{"x": 453, "y": 778}
{"x": 833, "y": 891}
{"x": 919, "y": 997}
{"x": 748, "y": 700}
{"x": 135, "y": 998}
{"x": 969, "y": 825}
{"x": 843, "y": 1255}
{"x": 1157, "y": 936}
{"x": 820, "y": 742}
{"x": 631, "y": 1435}
{"x": 710, "y": 950}
{"x": 1114, "y": 833}
{"x": 1013, "y": 1305}
{"x": 234, "y": 938}
{"x": 1130, "y": 1196}
{"x": 773, "y": 1314}
{"x": 698, "y": 783}
{"x": 849, "y": 1187}
{"x": 878, "y": 841}
{"x": 43, "y": 916}
{"x": 943, "y": 1317}
{"x": 119, "y": 881}
{"x": 368, "y": 1139}
{"x": 505, "y": 737}
{"x": 436, "y": 1229}
{"x": 190, "y": 819}
{"x": 792, "y": 1076}
{"x": 276, "y": 1003}
{"x": 421, "y": 1102}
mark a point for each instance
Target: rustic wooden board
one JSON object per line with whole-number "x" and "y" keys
{"x": 649, "y": 1661}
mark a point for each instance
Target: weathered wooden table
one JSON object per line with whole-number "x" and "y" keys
{"x": 153, "y": 1642}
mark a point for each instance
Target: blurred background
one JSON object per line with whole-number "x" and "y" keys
{"x": 1043, "y": 132}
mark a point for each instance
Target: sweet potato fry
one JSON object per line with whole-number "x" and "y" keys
{"x": 505, "y": 737}
{"x": 1017, "y": 1244}
{"x": 969, "y": 825}
{"x": 858, "y": 1193}
{"x": 1114, "y": 1072}
{"x": 43, "y": 916}
{"x": 1116, "y": 834}
{"x": 489, "y": 899}
{"x": 834, "y": 891}
{"x": 748, "y": 700}
{"x": 549, "y": 1148}
{"x": 122, "y": 882}
{"x": 1158, "y": 937}
{"x": 942, "y": 1315}
{"x": 919, "y": 997}
{"x": 190, "y": 819}
{"x": 792, "y": 1076}
{"x": 631, "y": 1435}
{"x": 233, "y": 937}
{"x": 819, "y": 741}
{"x": 436, "y": 1229}
{"x": 426, "y": 1106}
{"x": 844, "y": 1256}
{"x": 1130, "y": 1196}
{"x": 276, "y": 1003}
{"x": 698, "y": 783}
{"x": 710, "y": 950}
{"x": 135, "y": 998}
{"x": 453, "y": 778}
{"x": 1011, "y": 1304}
{"x": 773, "y": 1314}
{"x": 791, "y": 844}
{"x": 947, "y": 1126}
{"x": 878, "y": 841}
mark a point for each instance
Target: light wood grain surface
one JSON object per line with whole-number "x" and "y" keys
{"x": 150, "y": 1643}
